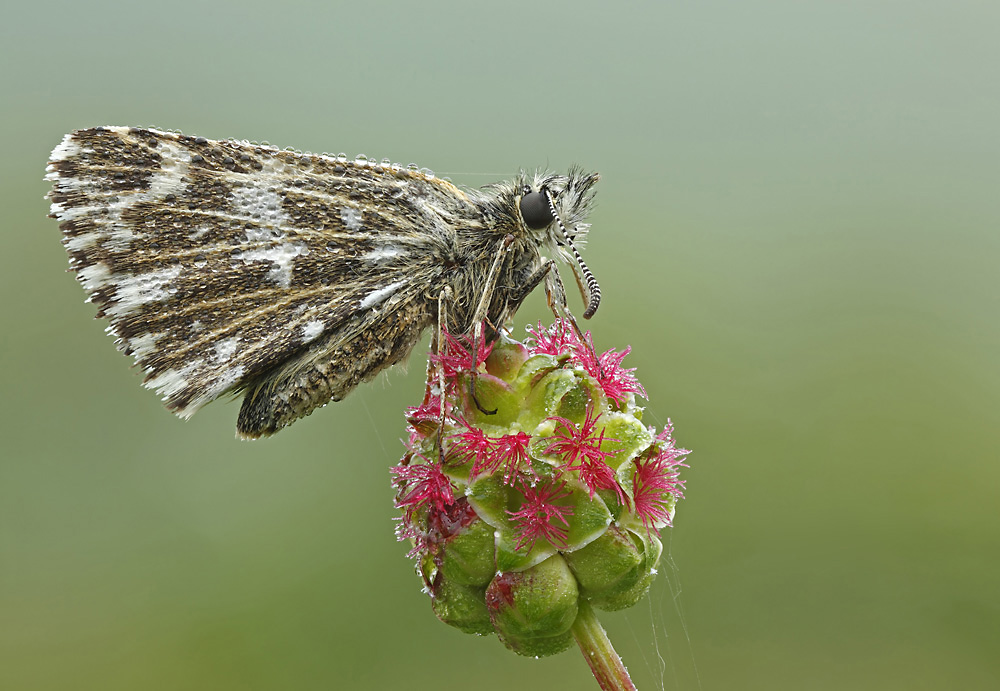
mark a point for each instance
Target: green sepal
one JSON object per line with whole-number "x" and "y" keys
{"x": 590, "y": 518}
{"x": 492, "y": 394}
{"x": 506, "y": 358}
{"x": 540, "y": 646}
{"x": 490, "y": 497}
{"x": 510, "y": 559}
{"x": 544, "y": 399}
{"x": 624, "y": 438}
{"x": 532, "y": 369}
{"x": 574, "y": 404}
{"x": 641, "y": 578}
{"x": 613, "y": 502}
{"x": 532, "y": 611}
{"x": 609, "y": 565}
{"x": 461, "y": 606}
{"x": 467, "y": 558}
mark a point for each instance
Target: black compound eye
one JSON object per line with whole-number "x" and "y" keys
{"x": 535, "y": 210}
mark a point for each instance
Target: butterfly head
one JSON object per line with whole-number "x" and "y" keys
{"x": 554, "y": 208}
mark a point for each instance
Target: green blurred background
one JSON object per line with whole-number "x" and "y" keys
{"x": 796, "y": 232}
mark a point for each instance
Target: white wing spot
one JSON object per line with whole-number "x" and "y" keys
{"x": 281, "y": 256}
{"x": 381, "y": 294}
{"x": 67, "y": 149}
{"x": 169, "y": 179}
{"x": 94, "y": 276}
{"x": 145, "y": 344}
{"x": 258, "y": 199}
{"x": 80, "y": 242}
{"x": 134, "y": 291}
{"x": 226, "y": 380}
{"x": 311, "y": 330}
{"x": 172, "y": 381}
{"x": 226, "y": 348}
{"x": 383, "y": 253}
{"x": 351, "y": 217}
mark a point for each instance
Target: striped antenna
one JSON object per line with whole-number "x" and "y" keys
{"x": 593, "y": 296}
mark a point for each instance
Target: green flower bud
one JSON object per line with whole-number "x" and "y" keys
{"x": 533, "y": 610}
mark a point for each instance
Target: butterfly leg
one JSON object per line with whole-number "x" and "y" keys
{"x": 555, "y": 293}
{"x": 444, "y": 297}
{"x": 482, "y": 311}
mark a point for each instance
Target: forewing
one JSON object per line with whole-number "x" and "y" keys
{"x": 217, "y": 261}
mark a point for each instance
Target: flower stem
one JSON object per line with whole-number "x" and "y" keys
{"x": 599, "y": 653}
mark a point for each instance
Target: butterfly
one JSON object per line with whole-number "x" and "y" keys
{"x": 229, "y": 267}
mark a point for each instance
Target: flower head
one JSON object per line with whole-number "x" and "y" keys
{"x": 489, "y": 454}
{"x": 580, "y": 448}
{"x": 562, "y": 339}
{"x": 540, "y": 515}
{"x": 657, "y": 483}
{"x": 421, "y": 484}
{"x": 616, "y": 381}
{"x": 456, "y": 354}
{"x": 424, "y": 495}
{"x": 557, "y": 340}
{"x": 531, "y": 467}
{"x": 471, "y": 445}
{"x": 511, "y": 455}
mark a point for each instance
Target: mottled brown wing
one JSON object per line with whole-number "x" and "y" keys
{"x": 224, "y": 265}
